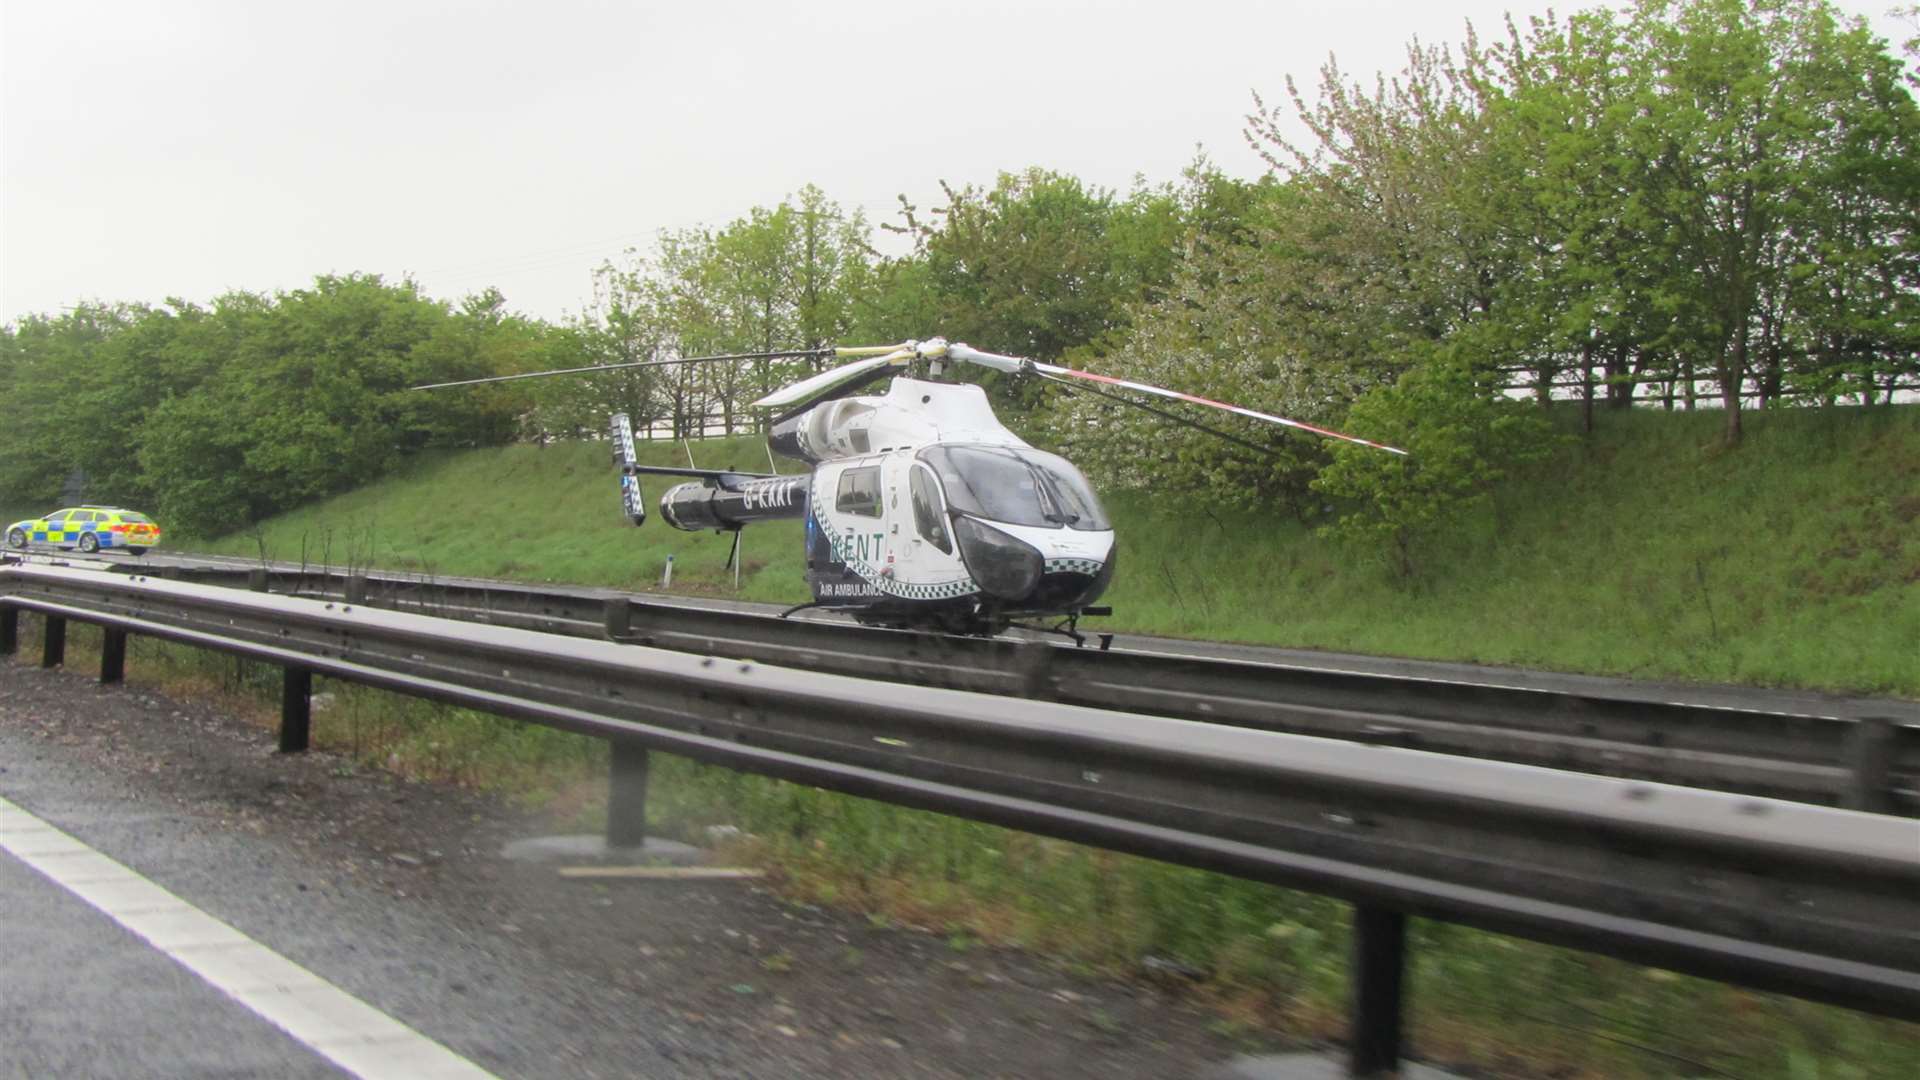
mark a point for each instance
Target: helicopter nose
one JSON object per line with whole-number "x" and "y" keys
{"x": 1004, "y": 565}
{"x": 1072, "y": 583}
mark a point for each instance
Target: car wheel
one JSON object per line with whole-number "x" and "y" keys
{"x": 89, "y": 543}
{"x": 17, "y": 539}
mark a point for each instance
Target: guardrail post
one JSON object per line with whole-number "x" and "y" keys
{"x": 296, "y": 708}
{"x": 257, "y": 579}
{"x": 1032, "y": 666}
{"x": 617, "y": 618}
{"x": 113, "y": 655}
{"x": 1378, "y": 967}
{"x": 53, "y": 643}
{"x": 1870, "y": 766}
{"x": 9, "y": 631}
{"x": 627, "y": 796}
{"x": 357, "y": 589}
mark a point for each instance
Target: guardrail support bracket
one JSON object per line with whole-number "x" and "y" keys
{"x": 1870, "y": 766}
{"x": 9, "y": 631}
{"x": 627, "y": 796}
{"x": 113, "y": 655}
{"x": 53, "y": 643}
{"x": 296, "y": 709}
{"x": 1378, "y": 969}
{"x": 617, "y": 618}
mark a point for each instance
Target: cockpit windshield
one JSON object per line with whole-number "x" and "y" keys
{"x": 1019, "y": 486}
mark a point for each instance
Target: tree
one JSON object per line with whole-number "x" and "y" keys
{"x": 1037, "y": 265}
{"x": 630, "y": 322}
{"x": 786, "y": 277}
{"x": 1462, "y": 437}
{"x": 51, "y": 381}
{"x": 1760, "y": 128}
{"x": 279, "y": 401}
{"x": 1230, "y": 326}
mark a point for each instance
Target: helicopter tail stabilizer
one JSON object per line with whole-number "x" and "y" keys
{"x": 632, "y": 501}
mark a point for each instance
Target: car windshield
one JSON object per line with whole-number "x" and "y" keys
{"x": 136, "y": 519}
{"x": 1019, "y": 486}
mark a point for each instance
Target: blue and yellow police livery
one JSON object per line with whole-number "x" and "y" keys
{"x": 89, "y": 528}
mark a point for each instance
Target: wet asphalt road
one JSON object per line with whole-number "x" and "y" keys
{"x": 395, "y": 892}
{"x": 81, "y": 997}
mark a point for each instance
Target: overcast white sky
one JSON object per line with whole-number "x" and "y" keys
{"x": 190, "y": 147}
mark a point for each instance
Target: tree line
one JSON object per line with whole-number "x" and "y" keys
{"x": 1687, "y": 200}
{"x": 222, "y": 414}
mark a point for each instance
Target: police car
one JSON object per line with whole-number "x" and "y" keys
{"x": 89, "y": 528}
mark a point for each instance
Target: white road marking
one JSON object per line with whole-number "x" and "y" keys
{"x": 333, "y": 1023}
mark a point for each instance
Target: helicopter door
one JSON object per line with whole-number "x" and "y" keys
{"x": 920, "y": 529}
{"x": 853, "y": 525}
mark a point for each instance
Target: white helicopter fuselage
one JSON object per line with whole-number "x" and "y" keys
{"x": 921, "y": 498}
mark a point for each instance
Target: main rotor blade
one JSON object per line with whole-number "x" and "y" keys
{"x": 967, "y": 354}
{"x": 866, "y": 350}
{"x": 827, "y": 380}
{"x": 1171, "y": 417}
{"x": 997, "y": 362}
{"x": 1237, "y": 410}
{"x": 847, "y": 388}
{"x": 786, "y": 354}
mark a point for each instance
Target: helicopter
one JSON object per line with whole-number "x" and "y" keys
{"x": 922, "y": 511}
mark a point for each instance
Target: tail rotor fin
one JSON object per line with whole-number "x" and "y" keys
{"x": 627, "y": 461}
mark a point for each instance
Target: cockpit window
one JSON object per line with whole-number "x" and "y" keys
{"x": 1018, "y": 486}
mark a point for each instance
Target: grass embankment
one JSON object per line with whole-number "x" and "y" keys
{"x": 534, "y": 514}
{"x": 1646, "y": 550}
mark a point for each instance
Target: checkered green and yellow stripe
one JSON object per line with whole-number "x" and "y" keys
{"x": 1089, "y": 567}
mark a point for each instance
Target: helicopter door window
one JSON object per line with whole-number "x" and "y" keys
{"x": 859, "y": 492}
{"x": 929, "y": 512}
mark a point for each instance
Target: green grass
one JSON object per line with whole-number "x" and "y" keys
{"x": 1646, "y": 549}
{"x": 534, "y": 514}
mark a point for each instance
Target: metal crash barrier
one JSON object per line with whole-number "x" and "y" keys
{"x": 1807, "y": 900}
{"x": 1860, "y": 754}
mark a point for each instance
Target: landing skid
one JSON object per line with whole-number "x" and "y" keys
{"x": 816, "y": 605}
{"x": 1069, "y": 627}
{"x": 958, "y": 626}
